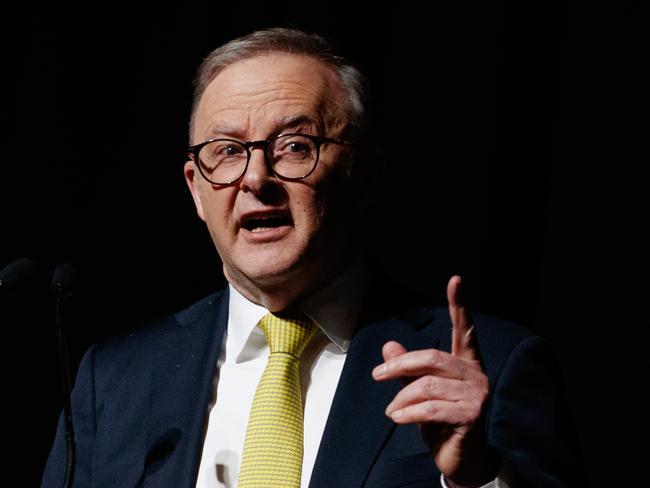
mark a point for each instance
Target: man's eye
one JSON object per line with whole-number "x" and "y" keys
{"x": 230, "y": 150}
{"x": 297, "y": 147}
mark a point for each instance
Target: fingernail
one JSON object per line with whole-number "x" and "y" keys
{"x": 389, "y": 408}
{"x": 396, "y": 414}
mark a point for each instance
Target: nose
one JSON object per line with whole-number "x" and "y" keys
{"x": 259, "y": 176}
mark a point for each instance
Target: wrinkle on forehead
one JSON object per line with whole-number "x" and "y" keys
{"x": 282, "y": 124}
{"x": 268, "y": 89}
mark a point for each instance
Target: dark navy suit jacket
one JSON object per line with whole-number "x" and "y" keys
{"x": 140, "y": 404}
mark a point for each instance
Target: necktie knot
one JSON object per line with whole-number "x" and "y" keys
{"x": 287, "y": 333}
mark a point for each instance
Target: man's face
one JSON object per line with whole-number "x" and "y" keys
{"x": 268, "y": 231}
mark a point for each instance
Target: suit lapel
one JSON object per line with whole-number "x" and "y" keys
{"x": 357, "y": 427}
{"x": 181, "y": 389}
{"x": 181, "y": 386}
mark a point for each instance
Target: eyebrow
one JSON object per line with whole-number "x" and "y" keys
{"x": 296, "y": 121}
{"x": 281, "y": 125}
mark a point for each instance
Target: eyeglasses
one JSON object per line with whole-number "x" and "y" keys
{"x": 290, "y": 156}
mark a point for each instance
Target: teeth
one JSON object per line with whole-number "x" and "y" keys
{"x": 264, "y": 223}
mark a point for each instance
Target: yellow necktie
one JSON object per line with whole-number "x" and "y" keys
{"x": 273, "y": 447}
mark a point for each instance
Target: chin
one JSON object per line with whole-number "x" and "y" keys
{"x": 287, "y": 265}
{"x": 270, "y": 266}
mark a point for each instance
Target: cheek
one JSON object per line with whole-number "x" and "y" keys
{"x": 309, "y": 208}
{"x": 217, "y": 207}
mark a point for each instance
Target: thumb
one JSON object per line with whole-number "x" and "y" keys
{"x": 392, "y": 349}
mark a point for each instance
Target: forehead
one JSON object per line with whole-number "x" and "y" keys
{"x": 268, "y": 89}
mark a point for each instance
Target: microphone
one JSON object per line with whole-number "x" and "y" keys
{"x": 62, "y": 281}
{"x": 16, "y": 272}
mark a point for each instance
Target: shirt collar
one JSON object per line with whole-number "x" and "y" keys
{"x": 334, "y": 308}
{"x": 243, "y": 316}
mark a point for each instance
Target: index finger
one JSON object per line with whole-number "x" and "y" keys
{"x": 463, "y": 339}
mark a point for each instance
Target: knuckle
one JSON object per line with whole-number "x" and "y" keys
{"x": 483, "y": 388}
{"x": 433, "y": 357}
{"x": 473, "y": 411}
{"x": 479, "y": 385}
{"x": 430, "y": 384}
{"x": 395, "y": 364}
{"x": 390, "y": 365}
{"x": 430, "y": 409}
{"x": 469, "y": 415}
{"x": 477, "y": 402}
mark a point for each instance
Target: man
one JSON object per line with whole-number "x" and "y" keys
{"x": 389, "y": 392}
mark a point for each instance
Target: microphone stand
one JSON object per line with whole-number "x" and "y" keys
{"x": 64, "y": 370}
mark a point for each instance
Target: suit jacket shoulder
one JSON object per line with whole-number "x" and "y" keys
{"x": 140, "y": 401}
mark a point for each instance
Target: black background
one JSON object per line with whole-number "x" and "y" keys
{"x": 517, "y": 137}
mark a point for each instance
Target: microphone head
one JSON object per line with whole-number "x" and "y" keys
{"x": 16, "y": 271}
{"x": 63, "y": 278}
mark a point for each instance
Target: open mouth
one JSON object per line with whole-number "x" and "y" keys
{"x": 261, "y": 224}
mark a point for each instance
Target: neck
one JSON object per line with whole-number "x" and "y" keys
{"x": 280, "y": 294}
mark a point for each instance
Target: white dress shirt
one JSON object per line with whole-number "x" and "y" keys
{"x": 241, "y": 363}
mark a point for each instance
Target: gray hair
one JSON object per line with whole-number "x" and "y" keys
{"x": 289, "y": 41}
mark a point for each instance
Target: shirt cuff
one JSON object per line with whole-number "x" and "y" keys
{"x": 503, "y": 480}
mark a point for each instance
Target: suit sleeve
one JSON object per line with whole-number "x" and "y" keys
{"x": 85, "y": 426}
{"x": 529, "y": 421}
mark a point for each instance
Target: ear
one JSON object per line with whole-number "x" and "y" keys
{"x": 192, "y": 178}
